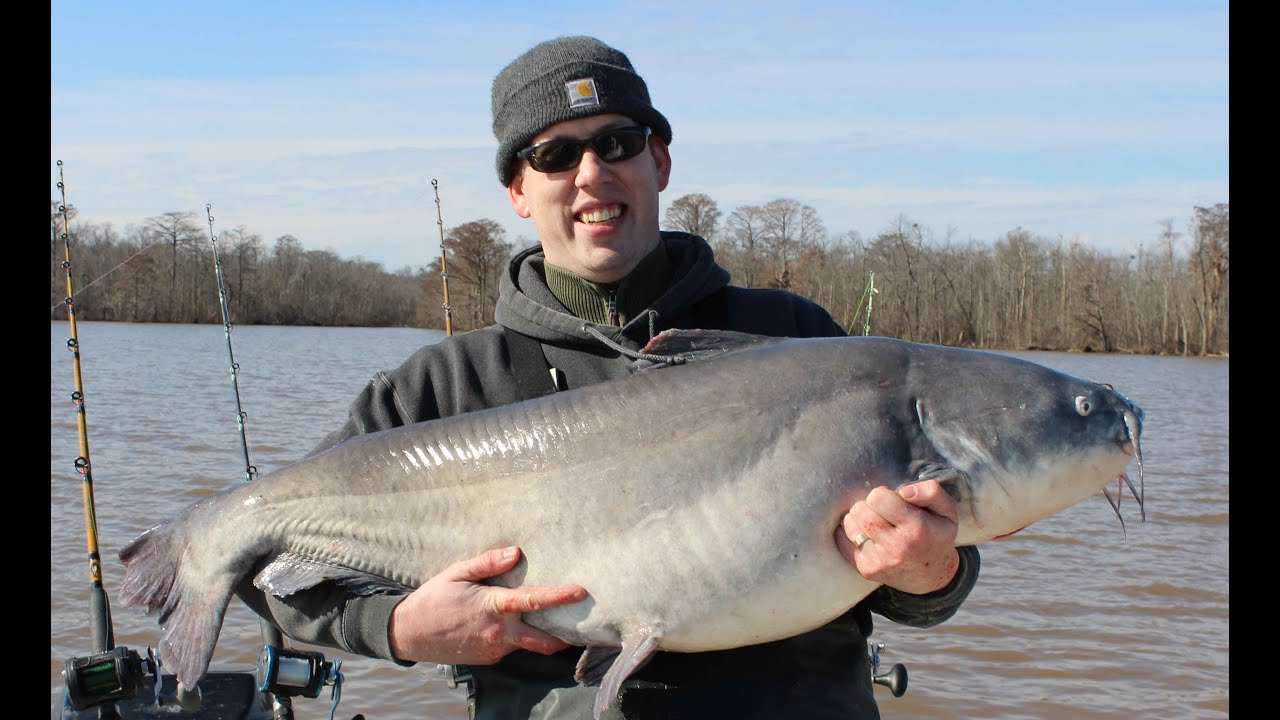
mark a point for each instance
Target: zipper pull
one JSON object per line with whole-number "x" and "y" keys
{"x": 613, "y": 308}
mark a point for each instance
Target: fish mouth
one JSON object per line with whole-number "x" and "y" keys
{"x": 1015, "y": 532}
{"x": 977, "y": 460}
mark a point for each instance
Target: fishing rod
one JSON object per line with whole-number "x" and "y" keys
{"x": 110, "y": 679}
{"x": 281, "y": 673}
{"x": 871, "y": 292}
{"x": 249, "y": 470}
{"x": 111, "y": 673}
{"x": 444, "y": 269}
{"x": 867, "y": 293}
{"x": 100, "y": 611}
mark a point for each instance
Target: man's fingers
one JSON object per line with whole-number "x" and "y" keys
{"x": 513, "y": 601}
{"x": 857, "y": 521}
{"x": 532, "y": 599}
{"x": 532, "y": 639}
{"x": 865, "y": 516}
{"x": 845, "y": 546}
{"x": 929, "y": 495}
{"x": 523, "y": 600}
{"x": 485, "y": 565}
{"x": 897, "y": 507}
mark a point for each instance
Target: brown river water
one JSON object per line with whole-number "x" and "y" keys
{"x": 1072, "y": 618}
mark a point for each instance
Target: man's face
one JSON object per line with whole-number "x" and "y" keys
{"x": 596, "y": 220}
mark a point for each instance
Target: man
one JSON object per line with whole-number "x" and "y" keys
{"x": 584, "y": 155}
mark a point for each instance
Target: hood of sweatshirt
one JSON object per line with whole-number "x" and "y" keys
{"x": 527, "y": 305}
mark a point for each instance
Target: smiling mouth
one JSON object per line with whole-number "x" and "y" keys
{"x": 600, "y": 215}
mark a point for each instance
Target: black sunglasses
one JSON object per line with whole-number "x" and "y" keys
{"x": 612, "y": 145}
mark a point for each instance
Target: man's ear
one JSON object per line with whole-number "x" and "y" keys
{"x": 515, "y": 191}
{"x": 661, "y": 159}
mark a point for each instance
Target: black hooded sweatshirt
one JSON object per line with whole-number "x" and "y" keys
{"x": 824, "y": 673}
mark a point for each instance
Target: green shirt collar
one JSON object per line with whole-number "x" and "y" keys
{"x": 627, "y": 297}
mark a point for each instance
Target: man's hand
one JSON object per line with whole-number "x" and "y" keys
{"x": 911, "y": 537}
{"x": 454, "y": 619}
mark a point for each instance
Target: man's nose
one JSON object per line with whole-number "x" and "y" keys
{"x": 591, "y": 168}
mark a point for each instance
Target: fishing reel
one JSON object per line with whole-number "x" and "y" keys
{"x": 895, "y": 678}
{"x": 107, "y": 677}
{"x": 298, "y": 672}
{"x": 455, "y": 675}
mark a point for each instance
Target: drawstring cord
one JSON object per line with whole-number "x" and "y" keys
{"x": 670, "y": 359}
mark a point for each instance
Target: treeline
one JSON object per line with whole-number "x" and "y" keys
{"x": 1171, "y": 296}
{"x": 163, "y": 271}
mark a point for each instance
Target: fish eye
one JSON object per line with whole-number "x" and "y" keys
{"x": 1082, "y": 405}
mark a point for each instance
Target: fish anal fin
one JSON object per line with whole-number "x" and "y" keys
{"x": 594, "y": 663}
{"x": 612, "y": 666}
{"x": 289, "y": 572}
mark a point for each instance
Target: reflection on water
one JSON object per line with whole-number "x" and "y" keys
{"x": 1072, "y": 618}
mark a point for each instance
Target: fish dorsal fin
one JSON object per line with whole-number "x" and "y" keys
{"x": 290, "y": 572}
{"x": 694, "y": 345}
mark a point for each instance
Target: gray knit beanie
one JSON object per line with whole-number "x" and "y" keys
{"x": 565, "y": 79}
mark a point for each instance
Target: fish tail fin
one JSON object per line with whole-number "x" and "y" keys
{"x": 190, "y": 612}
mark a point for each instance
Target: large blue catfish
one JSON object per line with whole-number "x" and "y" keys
{"x": 696, "y": 503}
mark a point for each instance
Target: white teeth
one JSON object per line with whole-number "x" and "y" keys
{"x": 596, "y": 216}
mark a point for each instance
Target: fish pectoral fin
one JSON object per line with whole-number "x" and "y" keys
{"x": 289, "y": 572}
{"x": 610, "y": 666}
{"x": 946, "y": 475}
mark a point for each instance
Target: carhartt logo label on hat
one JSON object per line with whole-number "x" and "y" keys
{"x": 582, "y": 92}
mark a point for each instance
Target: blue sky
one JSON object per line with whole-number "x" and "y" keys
{"x": 1089, "y": 121}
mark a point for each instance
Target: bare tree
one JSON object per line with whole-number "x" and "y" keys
{"x": 478, "y": 251}
{"x": 180, "y": 231}
{"x": 908, "y": 240}
{"x": 177, "y": 229}
{"x": 744, "y": 229}
{"x": 954, "y": 291}
{"x": 1211, "y": 234}
{"x": 246, "y": 256}
{"x": 140, "y": 281}
{"x": 791, "y": 228}
{"x": 284, "y": 277}
{"x": 1020, "y": 258}
{"x": 694, "y": 213}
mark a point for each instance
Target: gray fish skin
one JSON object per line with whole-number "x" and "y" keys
{"x": 691, "y": 502}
